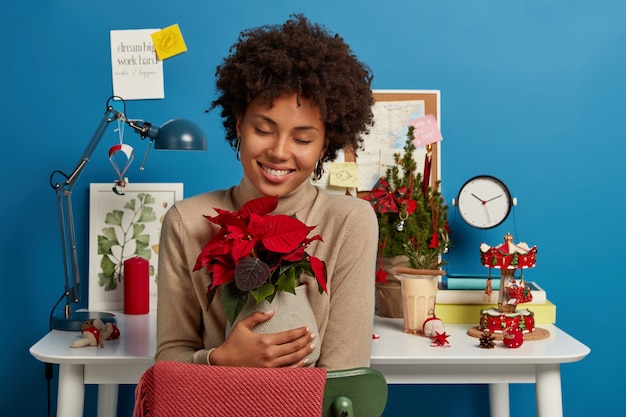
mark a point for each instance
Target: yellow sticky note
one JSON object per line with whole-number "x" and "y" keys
{"x": 344, "y": 174}
{"x": 168, "y": 42}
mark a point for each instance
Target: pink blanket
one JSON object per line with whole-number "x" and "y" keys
{"x": 175, "y": 389}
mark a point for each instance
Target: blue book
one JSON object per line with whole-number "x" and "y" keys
{"x": 448, "y": 295}
{"x": 474, "y": 282}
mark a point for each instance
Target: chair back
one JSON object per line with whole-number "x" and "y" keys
{"x": 359, "y": 392}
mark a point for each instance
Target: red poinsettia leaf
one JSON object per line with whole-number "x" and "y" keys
{"x": 280, "y": 233}
{"x": 222, "y": 273}
{"x": 319, "y": 270}
{"x": 215, "y": 247}
{"x": 261, "y": 206}
{"x": 237, "y": 231}
{"x": 311, "y": 239}
{"x": 242, "y": 248}
{"x": 296, "y": 255}
{"x": 251, "y": 273}
{"x": 225, "y": 218}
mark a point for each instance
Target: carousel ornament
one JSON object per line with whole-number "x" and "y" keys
{"x": 506, "y": 321}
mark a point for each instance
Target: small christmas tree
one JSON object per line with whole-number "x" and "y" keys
{"x": 412, "y": 214}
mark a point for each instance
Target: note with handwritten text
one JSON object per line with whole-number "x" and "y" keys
{"x": 169, "y": 42}
{"x": 137, "y": 73}
{"x": 426, "y": 130}
{"x": 344, "y": 174}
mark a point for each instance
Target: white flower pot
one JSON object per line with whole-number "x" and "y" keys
{"x": 290, "y": 311}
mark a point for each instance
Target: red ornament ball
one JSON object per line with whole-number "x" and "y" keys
{"x": 513, "y": 337}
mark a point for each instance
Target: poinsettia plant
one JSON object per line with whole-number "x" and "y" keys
{"x": 256, "y": 254}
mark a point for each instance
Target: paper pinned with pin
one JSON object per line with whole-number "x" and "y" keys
{"x": 426, "y": 130}
{"x": 136, "y": 70}
{"x": 344, "y": 174}
{"x": 169, "y": 42}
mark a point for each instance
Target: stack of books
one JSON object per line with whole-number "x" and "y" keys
{"x": 461, "y": 298}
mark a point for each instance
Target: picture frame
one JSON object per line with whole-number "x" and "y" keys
{"x": 120, "y": 227}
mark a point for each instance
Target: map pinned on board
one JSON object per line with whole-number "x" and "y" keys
{"x": 426, "y": 130}
{"x": 344, "y": 174}
{"x": 169, "y": 42}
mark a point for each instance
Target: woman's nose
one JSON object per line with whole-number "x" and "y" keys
{"x": 279, "y": 149}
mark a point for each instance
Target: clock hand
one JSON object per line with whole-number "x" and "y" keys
{"x": 478, "y": 198}
{"x": 487, "y": 213}
{"x": 498, "y": 196}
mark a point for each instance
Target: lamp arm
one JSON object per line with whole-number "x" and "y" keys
{"x": 66, "y": 216}
{"x": 110, "y": 115}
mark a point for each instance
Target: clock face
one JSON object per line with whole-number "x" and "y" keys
{"x": 484, "y": 202}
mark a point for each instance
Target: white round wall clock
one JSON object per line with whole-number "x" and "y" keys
{"x": 484, "y": 202}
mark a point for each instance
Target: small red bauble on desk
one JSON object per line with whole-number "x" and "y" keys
{"x": 136, "y": 286}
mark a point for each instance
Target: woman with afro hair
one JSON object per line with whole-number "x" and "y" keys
{"x": 291, "y": 96}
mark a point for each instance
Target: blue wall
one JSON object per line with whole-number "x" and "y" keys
{"x": 531, "y": 92}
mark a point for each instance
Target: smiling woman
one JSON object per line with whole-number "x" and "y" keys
{"x": 281, "y": 144}
{"x": 285, "y": 110}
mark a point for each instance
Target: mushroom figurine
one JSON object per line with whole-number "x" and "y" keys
{"x": 91, "y": 336}
{"x": 432, "y": 326}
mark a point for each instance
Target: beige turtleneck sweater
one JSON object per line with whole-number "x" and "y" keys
{"x": 186, "y": 329}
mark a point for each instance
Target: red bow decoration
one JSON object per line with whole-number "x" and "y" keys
{"x": 385, "y": 201}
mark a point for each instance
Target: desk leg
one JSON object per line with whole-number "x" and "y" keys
{"x": 107, "y": 400}
{"x": 548, "y": 390}
{"x": 499, "y": 400}
{"x": 71, "y": 395}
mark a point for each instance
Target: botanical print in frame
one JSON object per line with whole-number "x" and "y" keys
{"x": 120, "y": 227}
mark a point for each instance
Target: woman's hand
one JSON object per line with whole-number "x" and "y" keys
{"x": 243, "y": 347}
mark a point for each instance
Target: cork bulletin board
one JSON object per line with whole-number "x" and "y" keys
{"x": 431, "y": 105}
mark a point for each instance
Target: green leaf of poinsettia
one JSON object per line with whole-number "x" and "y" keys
{"x": 233, "y": 301}
{"x": 265, "y": 292}
{"x": 288, "y": 277}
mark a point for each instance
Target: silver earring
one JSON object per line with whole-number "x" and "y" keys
{"x": 237, "y": 149}
{"x": 319, "y": 170}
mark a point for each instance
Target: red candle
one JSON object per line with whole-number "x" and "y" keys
{"x": 136, "y": 286}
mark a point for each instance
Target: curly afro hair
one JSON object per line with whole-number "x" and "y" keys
{"x": 303, "y": 58}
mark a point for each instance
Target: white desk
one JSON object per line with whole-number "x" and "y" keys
{"x": 409, "y": 359}
{"x": 402, "y": 358}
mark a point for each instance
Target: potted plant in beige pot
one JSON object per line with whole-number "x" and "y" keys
{"x": 257, "y": 259}
{"x": 413, "y": 227}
